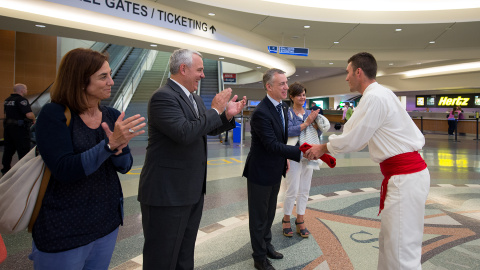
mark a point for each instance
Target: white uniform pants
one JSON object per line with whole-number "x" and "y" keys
{"x": 298, "y": 180}
{"x": 401, "y": 229}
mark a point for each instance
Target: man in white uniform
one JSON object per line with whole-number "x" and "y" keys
{"x": 393, "y": 139}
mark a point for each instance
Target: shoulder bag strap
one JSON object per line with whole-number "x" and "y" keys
{"x": 45, "y": 180}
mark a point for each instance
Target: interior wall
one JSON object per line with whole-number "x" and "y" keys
{"x": 7, "y": 64}
{"x": 35, "y": 61}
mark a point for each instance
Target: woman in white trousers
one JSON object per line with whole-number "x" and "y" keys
{"x": 299, "y": 176}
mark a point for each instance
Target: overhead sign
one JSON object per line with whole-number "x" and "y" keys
{"x": 229, "y": 78}
{"x": 464, "y": 101}
{"x": 294, "y": 51}
{"x": 272, "y": 49}
{"x": 150, "y": 13}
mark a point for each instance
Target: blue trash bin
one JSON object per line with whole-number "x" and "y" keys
{"x": 237, "y": 132}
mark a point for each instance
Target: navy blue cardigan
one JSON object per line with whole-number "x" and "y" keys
{"x": 84, "y": 199}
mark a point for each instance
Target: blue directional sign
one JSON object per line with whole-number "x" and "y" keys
{"x": 294, "y": 51}
{"x": 272, "y": 49}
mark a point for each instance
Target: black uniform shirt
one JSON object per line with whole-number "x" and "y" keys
{"x": 16, "y": 107}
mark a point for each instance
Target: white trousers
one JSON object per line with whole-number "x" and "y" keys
{"x": 298, "y": 180}
{"x": 401, "y": 229}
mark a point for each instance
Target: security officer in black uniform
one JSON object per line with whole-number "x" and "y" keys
{"x": 18, "y": 119}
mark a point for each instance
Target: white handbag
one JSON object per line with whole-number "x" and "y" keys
{"x": 19, "y": 189}
{"x": 22, "y": 189}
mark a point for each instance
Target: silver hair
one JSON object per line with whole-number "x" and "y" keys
{"x": 181, "y": 56}
{"x": 19, "y": 87}
{"x": 268, "y": 76}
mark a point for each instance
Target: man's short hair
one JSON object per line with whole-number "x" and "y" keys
{"x": 366, "y": 62}
{"x": 19, "y": 87}
{"x": 268, "y": 76}
{"x": 181, "y": 56}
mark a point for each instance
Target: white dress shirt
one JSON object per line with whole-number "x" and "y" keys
{"x": 381, "y": 122}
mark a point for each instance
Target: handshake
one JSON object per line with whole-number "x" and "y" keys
{"x": 318, "y": 151}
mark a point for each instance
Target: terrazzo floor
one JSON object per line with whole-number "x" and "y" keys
{"x": 341, "y": 213}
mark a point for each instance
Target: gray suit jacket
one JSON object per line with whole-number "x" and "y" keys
{"x": 175, "y": 168}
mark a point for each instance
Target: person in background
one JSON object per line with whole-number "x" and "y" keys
{"x": 315, "y": 107}
{"x": 299, "y": 176}
{"x": 393, "y": 140}
{"x": 347, "y": 112}
{"x": 173, "y": 179}
{"x": 454, "y": 115}
{"x": 18, "y": 119}
{"x": 82, "y": 209}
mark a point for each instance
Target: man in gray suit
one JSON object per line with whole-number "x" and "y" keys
{"x": 173, "y": 179}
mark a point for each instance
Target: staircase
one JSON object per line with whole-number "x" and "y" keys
{"x": 121, "y": 74}
{"x": 209, "y": 84}
{"x": 150, "y": 82}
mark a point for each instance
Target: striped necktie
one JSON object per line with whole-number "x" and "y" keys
{"x": 193, "y": 103}
{"x": 280, "y": 112}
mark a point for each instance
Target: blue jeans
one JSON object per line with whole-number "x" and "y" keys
{"x": 94, "y": 256}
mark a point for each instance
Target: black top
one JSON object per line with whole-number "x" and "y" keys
{"x": 78, "y": 207}
{"x": 16, "y": 107}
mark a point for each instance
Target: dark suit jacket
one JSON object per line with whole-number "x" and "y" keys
{"x": 267, "y": 159}
{"x": 175, "y": 166}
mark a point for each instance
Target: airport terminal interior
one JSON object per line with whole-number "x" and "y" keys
{"x": 429, "y": 55}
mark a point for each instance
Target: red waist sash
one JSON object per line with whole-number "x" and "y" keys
{"x": 405, "y": 163}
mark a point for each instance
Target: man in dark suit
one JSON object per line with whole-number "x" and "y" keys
{"x": 173, "y": 179}
{"x": 265, "y": 165}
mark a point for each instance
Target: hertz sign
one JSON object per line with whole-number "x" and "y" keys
{"x": 458, "y": 101}
{"x": 439, "y": 101}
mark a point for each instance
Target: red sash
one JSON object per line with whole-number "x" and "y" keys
{"x": 405, "y": 163}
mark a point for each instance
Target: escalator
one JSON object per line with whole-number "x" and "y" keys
{"x": 209, "y": 84}
{"x": 128, "y": 60}
{"x": 150, "y": 82}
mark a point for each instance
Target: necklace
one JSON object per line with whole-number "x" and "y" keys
{"x": 301, "y": 111}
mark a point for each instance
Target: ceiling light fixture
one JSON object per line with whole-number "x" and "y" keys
{"x": 211, "y": 14}
{"x": 442, "y": 70}
{"x": 391, "y": 64}
{"x": 330, "y": 63}
{"x": 398, "y": 29}
{"x": 432, "y": 42}
{"x": 221, "y": 58}
{"x": 306, "y": 26}
{"x": 380, "y": 5}
{"x": 336, "y": 42}
{"x": 40, "y": 25}
{"x": 153, "y": 45}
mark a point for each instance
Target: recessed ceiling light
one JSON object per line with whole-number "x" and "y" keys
{"x": 398, "y": 29}
{"x": 419, "y": 63}
{"x": 259, "y": 67}
{"x": 391, "y": 64}
{"x": 330, "y": 63}
{"x": 306, "y": 26}
{"x": 296, "y": 75}
{"x": 211, "y": 14}
{"x": 336, "y": 42}
{"x": 40, "y": 25}
{"x": 432, "y": 42}
{"x": 306, "y": 71}
{"x": 221, "y": 58}
{"x": 153, "y": 45}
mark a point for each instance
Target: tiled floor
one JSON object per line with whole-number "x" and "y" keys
{"x": 341, "y": 213}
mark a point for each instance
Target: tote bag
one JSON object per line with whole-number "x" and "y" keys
{"x": 22, "y": 189}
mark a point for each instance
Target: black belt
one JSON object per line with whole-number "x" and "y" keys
{"x": 14, "y": 122}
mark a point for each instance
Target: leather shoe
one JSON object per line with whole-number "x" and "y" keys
{"x": 263, "y": 265}
{"x": 272, "y": 254}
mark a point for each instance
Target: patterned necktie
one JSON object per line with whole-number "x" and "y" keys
{"x": 280, "y": 112}
{"x": 193, "y": 103}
